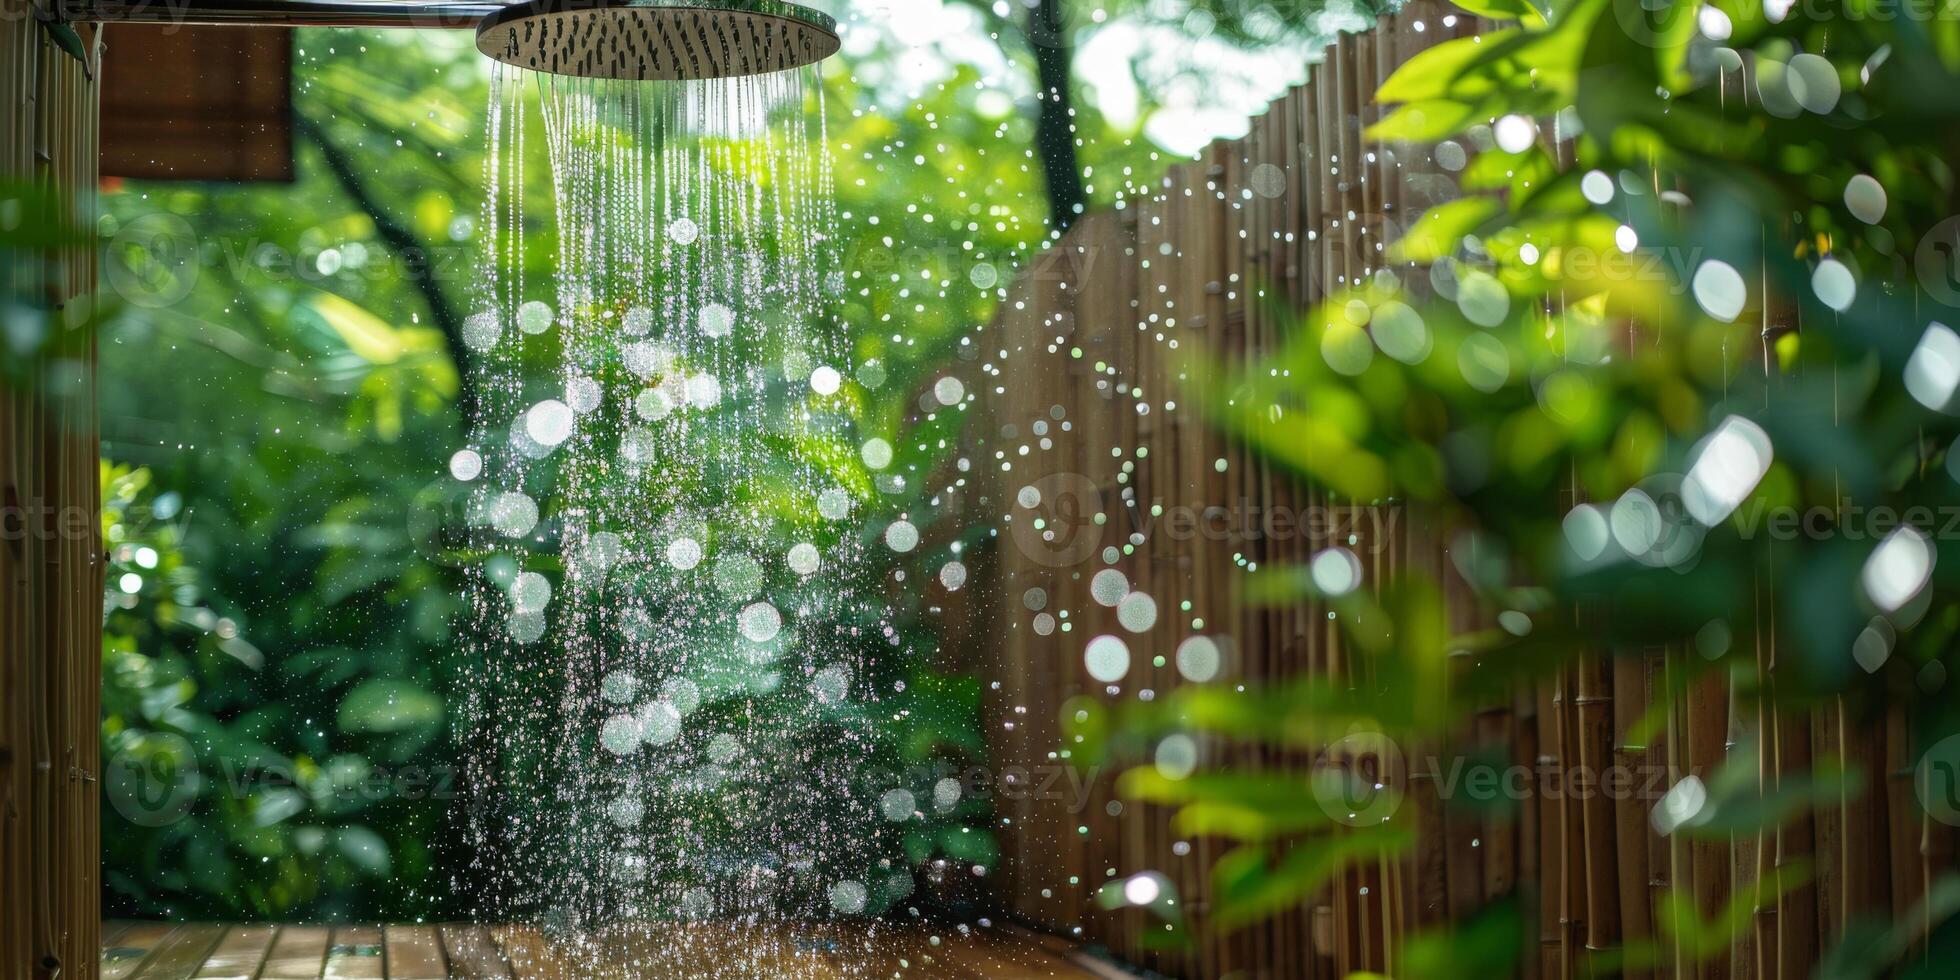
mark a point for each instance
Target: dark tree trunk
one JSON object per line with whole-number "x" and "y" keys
{"x": 1054, "y": 58}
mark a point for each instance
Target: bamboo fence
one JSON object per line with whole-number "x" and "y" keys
{"x": 50, "y": 554}
{"x": 1299, "y": 206}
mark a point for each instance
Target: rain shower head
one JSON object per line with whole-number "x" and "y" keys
{"x": 657, "y": 39}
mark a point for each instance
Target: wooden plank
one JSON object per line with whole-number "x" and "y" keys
{"x": 650, "y": 951}
{"x": 356, "y": 953}
{"x": 298, "y": 953}
{"x": 473, "y": 953}
{"x": 180, "y": 956}
{"x": 240, "y": 954}
{"x": 415, "y": 953}
{"x": 134, "y": 948}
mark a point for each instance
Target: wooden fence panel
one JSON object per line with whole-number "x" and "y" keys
{"x": 1206, "y": 272}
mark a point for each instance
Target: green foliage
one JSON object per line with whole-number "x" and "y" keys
{"x": 1877, "y": 945}
{"x": 289, "y": 381}
{"x": 270, "y": 820}
{"x": 1490, "y": 944}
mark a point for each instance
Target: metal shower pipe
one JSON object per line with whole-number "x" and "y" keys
{"x": 437, "y": 14}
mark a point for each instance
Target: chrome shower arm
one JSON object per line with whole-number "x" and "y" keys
{"x": 642, "y": 40}
{"x": 427, "y": 14}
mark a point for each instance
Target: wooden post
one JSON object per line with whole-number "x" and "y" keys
{"x": 50, "y": 550}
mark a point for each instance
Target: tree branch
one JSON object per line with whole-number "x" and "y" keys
{"x": 415, "y": 258}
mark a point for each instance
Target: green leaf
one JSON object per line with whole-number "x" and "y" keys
{"x": 365, "y": 849}
{"x": 1485, "y": 946}
{"x": 969, "y": 845}
{"x": 1247, "y": 889}
{"x": 64, "y": 37}
{"x": 1702, "y": 939}
{"x": 1870, "y": 946}
{"x": 382, "y": 705}
{"x": 1520, "y": 10}
{"x": 1424, "y": 122}
{"x": 1436, "y": 234}
{"x": 1431, "y": 72}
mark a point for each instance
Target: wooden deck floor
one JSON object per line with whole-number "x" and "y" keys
{"x": 213, "y": 951}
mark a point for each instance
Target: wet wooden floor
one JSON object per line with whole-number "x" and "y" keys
{"x": 214, "y": 951}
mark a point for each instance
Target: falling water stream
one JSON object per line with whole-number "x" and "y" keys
{"x": 683, "y": 649}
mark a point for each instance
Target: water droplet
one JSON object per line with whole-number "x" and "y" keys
{"x": 949, "y": 391}
{"x": 761, "y": 622}
{"x": 1400, "y": 332}
{"x": 1335, "y": 571}
{"x": 620, "y": 734}
{"x": 1198, "y": 659}
{"x": 1727, "y": 467}
{"x": 1586, "y": 531}
{"x": 1597, "y": 186}
{"x": 619, "y": 686}
{"x": 1515, "y": 133}
{"x": 717, "y": 320}
{"x": 1107, "y": 658}
{"x": 659, "y": 722}
{"x": 897, "y": 805}
{"x": 901, "y": 536}
{"x": 834, "y": 504}
{"x": 1719, "y": 290}
{"x": 848, "y": 897}
{"x": 1137, "y": 612}
{"x": 466, "y": 465}
{"x": 637, "y": 321}
{"x": 530, "y": 593}
{"x": 1864, "y": 197}
{"x": 481, "y": 331}
{"x": 534, "y": 317}
{"x": 1933, "y": 370}
{"x": 1898, "y": 569}
{"x": 1177, "y": 758}
{"x": 704, "y": 391}
{"x": 549, "y": 422}
{"x": 1833, "y": 283}
{"x": 513, "y": 514}
{"x": 1813, "y": 80}
{"x": 653, "y": 405}
{"x": 946, "y": 794}
{"x": 583, "y": 394}
{"x": 1482, "y": 298}
{"x": 832, "y": 684}
{"x": 1485, "y": 364}
{"x": 683, "y": 553}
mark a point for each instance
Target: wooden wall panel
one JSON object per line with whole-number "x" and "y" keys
{"x": 184, "y": 102}
{"x": 50, "y": 565}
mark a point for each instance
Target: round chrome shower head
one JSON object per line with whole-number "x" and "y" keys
{"x": 658, "y": 39}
